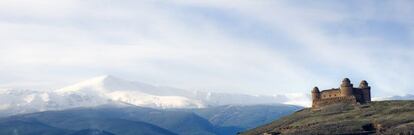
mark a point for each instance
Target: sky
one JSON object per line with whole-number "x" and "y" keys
{"x": 253, "y": 47}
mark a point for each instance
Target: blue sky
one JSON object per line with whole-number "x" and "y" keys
{"x": 256, "y": 47}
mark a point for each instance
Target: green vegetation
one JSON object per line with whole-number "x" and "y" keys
{"x": 387, "y": 117}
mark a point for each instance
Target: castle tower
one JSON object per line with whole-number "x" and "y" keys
{"x": 346, "y": 87}
{"x": 363, "y": 84}
{"x": 366, "y": 90}
{"x": 315, "y": 96}
{"x": 315, "y": 93}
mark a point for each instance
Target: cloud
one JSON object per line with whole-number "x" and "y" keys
{"x": 254, "y": 47}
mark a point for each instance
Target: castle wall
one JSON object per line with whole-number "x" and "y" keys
{"x": 323, "y": 102}
{"x": 366, "y": 94}
{"x": 330, "y": 93}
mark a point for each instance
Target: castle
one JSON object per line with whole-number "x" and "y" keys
{"x": 346, "y": 93}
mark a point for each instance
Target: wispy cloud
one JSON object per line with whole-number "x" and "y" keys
{"x": 255, "y": 47}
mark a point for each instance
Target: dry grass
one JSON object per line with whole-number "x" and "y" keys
{"x": 387, "y": 117}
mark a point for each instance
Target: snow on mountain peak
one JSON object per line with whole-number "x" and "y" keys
{"x": 101, "y": 84}
{"x": 136, "y": 93}
{"x": 95, "y": 83}
{"x": 141, "y": 94}
{"x": 108, "y": 89}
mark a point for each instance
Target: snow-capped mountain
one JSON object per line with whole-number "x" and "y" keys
{"x": 135, "y": 93}
{"x": 14, "y": 101}
{"x": 143, "y": 94}
{"x": 108, "y": 83}
{"x": 112, "y": 90}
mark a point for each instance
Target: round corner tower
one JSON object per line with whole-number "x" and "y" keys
{"x": 366, "y": 90}
{"x": 315, "y": 93}
{"x": 363, "y": 84}
{"x": 346, "y": 87}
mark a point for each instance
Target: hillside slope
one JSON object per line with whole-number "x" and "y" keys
{"x": 94, "y": 126}
{"x": 235, "y": 118}
{"x": 381, "y": 117}
{"x": 28, "y": 127}
{"x": 123, "y": 121}
{"x": 245, "y": 117}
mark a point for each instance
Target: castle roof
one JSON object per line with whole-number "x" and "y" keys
{"x": 315, "y": 90}
{"x": 346, "y": 82}
{"x": 332, "y": 89}
{"x": 363, "y": 84}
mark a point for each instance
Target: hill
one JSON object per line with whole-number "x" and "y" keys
{"x": 380, "y": 117}
{"x": 91, "y": 132}
{"x": 235, "y": 118}
{"x": 28, "y": 127}
{"x": 124, "y": 120}
{"x": 245, "y": 117}
{"x": 75, "y": 126}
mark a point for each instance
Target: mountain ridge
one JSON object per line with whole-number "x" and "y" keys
{"x": 178, "y": 121}
{"x": 108, "y": 89}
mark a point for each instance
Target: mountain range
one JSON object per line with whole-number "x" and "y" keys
{"x": 108, "y": 89}
{"x": 107, "y": 105}
{"x": 133, "y": 120}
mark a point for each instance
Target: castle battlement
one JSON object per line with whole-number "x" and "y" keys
{"x": 346, "y": 93}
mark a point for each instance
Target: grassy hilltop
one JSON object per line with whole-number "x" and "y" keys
{"x": 380, "y": 117}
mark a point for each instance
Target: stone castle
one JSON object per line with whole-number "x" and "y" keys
{"x": 346, "y": 93}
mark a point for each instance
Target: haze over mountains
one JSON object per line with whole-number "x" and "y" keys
{"x": 110, "y": 105}
{"x": 133, "y": 120}
{"x": 108, "y": 89}
{"x": 398, "y": 97}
